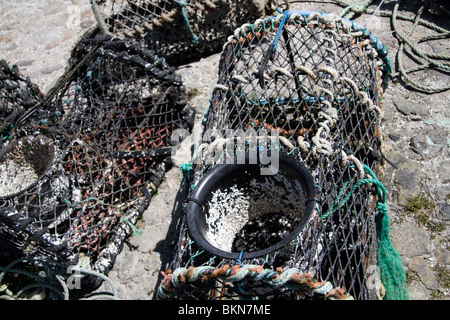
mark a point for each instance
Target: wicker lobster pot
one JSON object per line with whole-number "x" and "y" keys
{"x": 302, "y": 86}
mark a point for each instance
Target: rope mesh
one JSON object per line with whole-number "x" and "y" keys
{"x": 96, "y": 148}
{"x": 17, "y": 95}
{"x": 315, "y": 81}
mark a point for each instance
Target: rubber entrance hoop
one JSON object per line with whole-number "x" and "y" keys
{"x": 298, "y": 102}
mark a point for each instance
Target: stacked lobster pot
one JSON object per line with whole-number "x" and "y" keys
{"x": 284, "y": 200}
{"x": 92, "y": 153}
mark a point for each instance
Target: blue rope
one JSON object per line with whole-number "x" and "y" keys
{"x": 286, "y": 14}
{"x": 379, "y": 47}
{"x": 273, "y": 47}
{"x": 183, "y": 5}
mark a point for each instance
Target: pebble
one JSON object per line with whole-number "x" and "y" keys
{"x": 25, "y": 63}
{"x": 51, "y": 69}
{"x": 443, "y": 257}
{"x": 417, "y": 291}
{"x": 409, "y": 108}
{"x": 444, "y": 173}
{"x": 419, "y": 265}
{"x": 13, "y": 46}
{"x": 407, "y": 180}
{"x": 444, "y": 122}
{"x": 444, "y": 211}
{"x": 406, "y": 233}
{"x": 394, "y": 136}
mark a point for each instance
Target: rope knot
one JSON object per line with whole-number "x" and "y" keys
{"x": 359, "y": 7}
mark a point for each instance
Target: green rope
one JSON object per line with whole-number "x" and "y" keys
{"x": 186, "y": 169}
{"x": 357, "y": 8}
{"x": 187, "y": 24}
{"x": 188, "y": 172}
{"x": 392, "y": 273}
{"x": 333, "y": 206}
{"x": 430, "y": 58}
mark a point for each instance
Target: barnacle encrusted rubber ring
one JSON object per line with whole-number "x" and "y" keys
{"x": 226, "y": 176}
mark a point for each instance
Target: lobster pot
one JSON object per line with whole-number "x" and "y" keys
{"x": 177, "y": 30}
{"x": 17, "y": 95}
{"x": 95, "y": 150}
{"x": 302, "y": 88}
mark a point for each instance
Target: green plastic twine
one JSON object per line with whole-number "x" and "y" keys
{"x": 187, "y": 25}
{"x": 392, "y": 273}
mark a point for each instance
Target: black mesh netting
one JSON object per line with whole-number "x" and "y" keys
{"x": 303, "y": 86}
{"x": 17, "y": 95}
{"x": 178, "y": 30}
{"x": 82, "y": 164}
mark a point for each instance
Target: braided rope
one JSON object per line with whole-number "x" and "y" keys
{"x": 238, "y": 274}
{"x": 98, "y": 17}
{"x": 358, "y": 9}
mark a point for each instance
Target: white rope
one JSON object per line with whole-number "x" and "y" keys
{"x": 356, "y": 162}
{"x": 308, "y": 71}
{"x": 240, "y": 79}
{"x": 221, "y": 87}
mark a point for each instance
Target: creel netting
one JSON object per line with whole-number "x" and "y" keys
{"x": 315, "y": 82}
{"x": 17, "y": 95}
{"x": 100, "y": 145}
